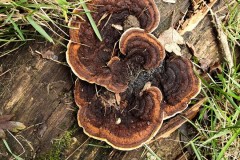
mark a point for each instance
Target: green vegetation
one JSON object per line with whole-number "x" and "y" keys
{"x": 10, "y": 151}
{"x": 218, "y": 124}
{"x": 58, "y": 147}
{"x": 94, "y": 26}
{"x": 16, "y": 15}
{"x": 21, "y": 19}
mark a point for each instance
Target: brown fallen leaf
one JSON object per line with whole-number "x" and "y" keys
{"x": 6, "y": 124}
{"x": 170, "y": 39}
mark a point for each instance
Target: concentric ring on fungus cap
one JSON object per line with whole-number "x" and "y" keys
{"x": 89, "y": 58}
{"x": 127, "y": 126}
{"x": 179, "y": 85}
{"x": 126, "y": 111}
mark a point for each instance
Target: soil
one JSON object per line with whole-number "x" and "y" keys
{"x": 39, "y": 92}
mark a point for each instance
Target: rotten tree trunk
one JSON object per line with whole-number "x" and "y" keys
{"x": 40, "y": 94}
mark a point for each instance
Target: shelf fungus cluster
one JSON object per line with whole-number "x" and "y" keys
{"x": 127, "y": 85}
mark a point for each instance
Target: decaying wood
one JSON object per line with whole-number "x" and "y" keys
{"x": 196, "y": 18}
{"x": 39, "y": 93}
{"x": 222, "y": 38}
{"x": 174, "y": 123}
{"x": 5, "y": 72}
{"x": 204, "y": 41}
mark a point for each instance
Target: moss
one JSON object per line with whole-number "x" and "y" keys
{"x": 59, "y": 145}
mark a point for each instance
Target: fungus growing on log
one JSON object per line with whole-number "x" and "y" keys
{"x": 178, "y": 83}
{"x": 95, "y": 61}
{"x": 126, "y": 126}
{"x": 126, "y": 86}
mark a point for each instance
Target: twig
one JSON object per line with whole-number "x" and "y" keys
{"x": 222, "y": 38}
{"x": 5, "y": 72}
{"x": 182, "y": 19}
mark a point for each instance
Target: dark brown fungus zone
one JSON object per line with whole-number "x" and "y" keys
{"x": 178, "y": 83}
{"x": 127, "y": 108}
{"x": 101, "y": 62}
{"x": 141, "y": 48}
{"x": 126, "y": 126}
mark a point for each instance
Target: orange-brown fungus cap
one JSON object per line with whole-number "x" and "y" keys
{"x": 126, "y": 126}
{"x": 178, "y": 84}
{"x": 89, "y": 58}
{"x": 136, "y": 42}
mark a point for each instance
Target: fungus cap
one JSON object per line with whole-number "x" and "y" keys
{"x": 88, "y": 57}
{"x": 136, "y": 41}
{"x": 126, "y": 126}
{"x": 179, "y": 85}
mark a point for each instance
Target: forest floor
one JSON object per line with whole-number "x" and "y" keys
{"x": 36, "y": 84}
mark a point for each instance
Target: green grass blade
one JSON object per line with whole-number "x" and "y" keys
{"x": 15, "y": 26}
{"x": 220, "y": 134}
{"x": 39, "y": 29}
{"x": 93, "y": 24}
{"x": 62, "y": 2}
{"x": 195, "y": 151}
{"x": 151, "y": 151}
{"x": 9, "y": 150}
{"x": 224, "y": 149}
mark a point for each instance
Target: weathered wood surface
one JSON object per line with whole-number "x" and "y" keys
{"x": 40, "y": 94}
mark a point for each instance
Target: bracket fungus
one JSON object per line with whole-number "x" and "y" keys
{"x": 92, "y": 60}
{"x": 178, "y": 83}
{"x": 127, "y": 85}
{"x": 135, "y": 121}
{"x": 148, "y": 100}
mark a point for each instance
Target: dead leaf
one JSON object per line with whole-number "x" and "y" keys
{"x": 170, "y": 39}
{"x": 170, "y": 1}
{"x": 205, "y": 63}
{"x": 6, "y": 124}
{"x": 173, "y": 47}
